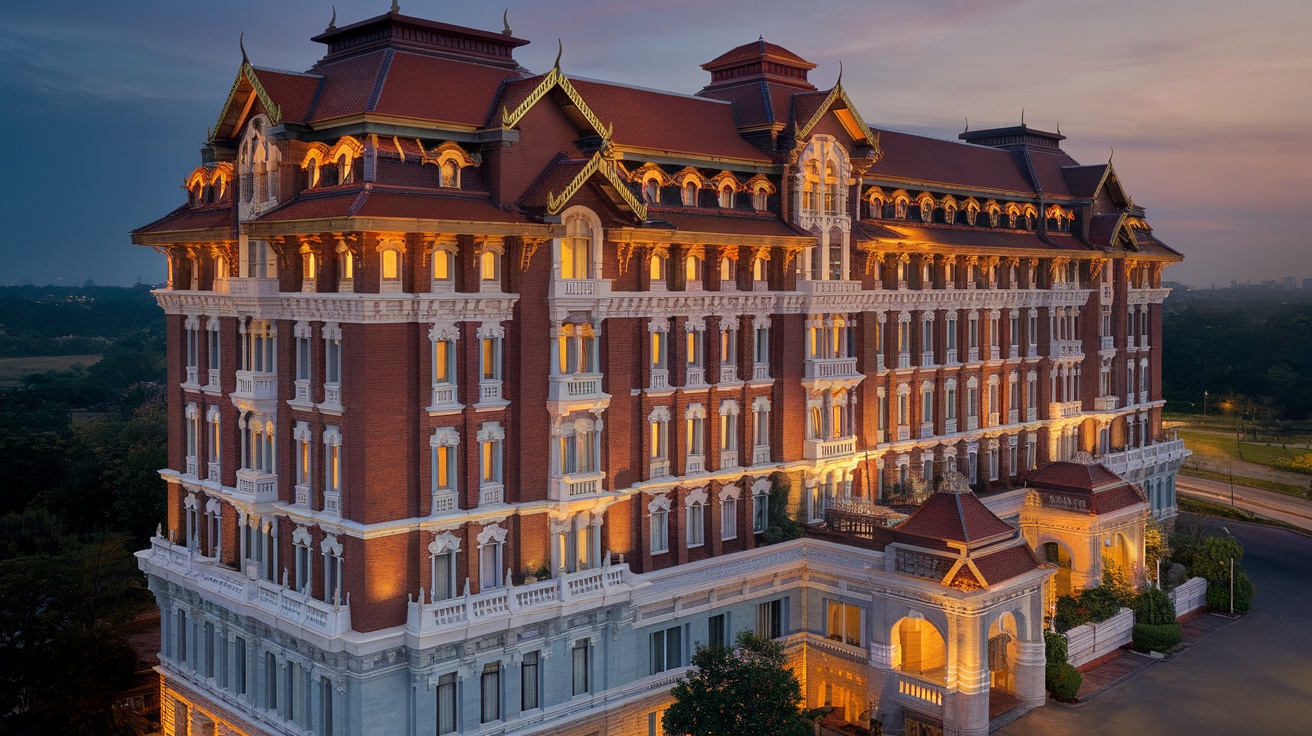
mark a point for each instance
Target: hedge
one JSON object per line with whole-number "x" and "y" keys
{"x": 1056, "y": 648}
{"x": 1218, "y": 592}
{"x": 1154, "y": 606}
{"x": 1156, "y": 637}
{"x": 1063, "y": 681}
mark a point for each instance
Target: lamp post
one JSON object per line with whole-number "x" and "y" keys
{"x": 1204, "y": 406}
{"x": 1232, "y": 576}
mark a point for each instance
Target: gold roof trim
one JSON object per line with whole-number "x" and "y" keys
{"x": 597, "y": 164}
{"x": 247, "y": 73}
{"x": 836, "y": 94}
{"x": 553, "y": 80}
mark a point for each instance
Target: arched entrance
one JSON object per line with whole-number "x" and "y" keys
{"x": 921, "y": 650}
{"x": 1002, "y": 653}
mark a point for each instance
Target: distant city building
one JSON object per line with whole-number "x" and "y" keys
{"x": 488, "y": 391}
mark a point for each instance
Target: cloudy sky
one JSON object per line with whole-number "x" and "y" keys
{"x": 1207, "y": 103}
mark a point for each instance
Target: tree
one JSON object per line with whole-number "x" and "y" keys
{"x": 733, "y": 692}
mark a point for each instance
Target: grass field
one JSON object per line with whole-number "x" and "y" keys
{"x": 12, "y": 370}
{"x": 1215, "y": 444}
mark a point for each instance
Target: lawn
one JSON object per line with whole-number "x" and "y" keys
{"x": 12, "y": 370}
{"x": 1220, "y": 446}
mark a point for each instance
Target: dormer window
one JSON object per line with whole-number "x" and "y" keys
{"x": 950, "y": 214}
{"x": 995, "y": 217}
{"x": 450, "y": 174}
{"x": 760, "y": 199}
{"x": 900, "y": 209}
{"x": 690, "y": 193}
{"x": 926, "y": 209}
{"x": 876, "y": 208}
{"x": 972, "y": 215}
{"x": 578, "y": 246}
{"x": 651, "y": 191}
{"x": 726, "y": 197}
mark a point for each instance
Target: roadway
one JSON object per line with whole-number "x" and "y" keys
{"x": 1273, "y": 505}
{"x": 1254, "y": 677}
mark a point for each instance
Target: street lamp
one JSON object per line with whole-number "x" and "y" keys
{"x": 1204, "y": 405}
{"x": 1232, "y": 577}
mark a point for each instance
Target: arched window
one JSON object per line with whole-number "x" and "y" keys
{"x": 758, "y": 269}
{"x": 900, "y": 208}
{"x": 576, "y": 258}
{"x": 995, "y": 217}
{"x": 811, "y": 186}
{"x": 651, "y": 191}
{"x": 487, "y": 266}
{"x": 760, "y": 199}
{"x": 831, "y": 188}
{"x": 692, "y": 269}
{"x": 450, "y": 173}
{"x": 926, "y": 209}
{"x": 876, "y": 208}
{"x": 726, "y": 197}
{"x": 728, "y": 272}
{"x": 690, "y": 193}
{"x": 657, "y": 268}
{"x": 950, "y": 214}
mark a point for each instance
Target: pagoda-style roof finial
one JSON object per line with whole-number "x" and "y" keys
{"x": 560, "y": 49}
{"x": 241, "y": 44}
{"x": 396, "y": 6}
{"x": 839, "y": 82}
{"x": 332, "y": 24}
{"x": 967, "y": 130}
{"x": 1022, "y": 116}
{"x": 505, "y": 21}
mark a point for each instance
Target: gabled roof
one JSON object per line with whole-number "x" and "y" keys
{"x": 283, "y": 96}
{"x": 915, "y": 159}
{"x": 809, "y": 108}
{"x": 1084, "y": 181}
{"x": 524, "y": 95}
{"x": 954, "y": 517}
{"x": 564, "y": 177}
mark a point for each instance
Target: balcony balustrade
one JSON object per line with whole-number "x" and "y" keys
{"x": 927, "y": 359}
{"x": 921, "y": 692}
{"x": 213, "y": 378}
{"x": 760, "y": 371}
{"x": 995, "y": 353}
{"x": 660, "y": 379}
{"x": 1136, "y": 458}
{"x": 950, "y": 426}
{"x": 293, "y": 612}
{"x": 1106, "y": 342}
{"x": 574, "y": 485}
{"x": 247, "y": 286}
{"x": 213, "y": 471}
{"x": 332, "y": 394}
{"x": 826, "y": 449}
{"x": 575, "y": 387}
{"x": 695, "y": 464}
{"x": 1031, "y": 414}
{"x": 193, "y": 465}
{"x": 1066, "y": 349}
{"x": 444, "y": 397}
{"x": 491, "y": 493}
{"x": 1012, "y": 416}
{"x": 728, "y": 373}
{"x": 972, "y": 423}
{"x": 660, "y": 468}
{"x": 903, "y": 433}
{"x": 926, "y": 430}
{"x": 581, "y": 287}
{"x": 256, "y": 386}
{"x": 193, "y": 376}
{"x": 301, "y": 392}
{"x": 1106, "y": 403}
{"x": 1064, "y": 409}
{"x": 836, "y": 286}
{"x": 257, "y": 487}
{"x": 696, "y": 376}
{"x": 444, "y": 501}
{"x": 489, "y": 392}
{"x": 822, "y": 368}
{"x": 332, "y": 503}
{"x": 431, "y": 617}
{"x": 1143, "y": 397}
{"x": 728, "y": 459}
{"x": 972, "y": 355}
{"x": 302, "y": 494}
{"x": 761, "y": 455}
{"x": 1032, "y": 351}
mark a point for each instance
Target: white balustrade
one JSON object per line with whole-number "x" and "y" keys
{"x": 696, "y": 464}
{"x": 257, "y": 487}
{"x": 831, "y": 368}
{"x": 1106, "y": 403}
{"x": 256, "y": 385}
{"x": 826, "y": 449}
{"x": 972, "y": 423}
{"x": 192, "y": 465}
{"x": 761, "y": 455}
{"x": 660, "y": 468}
{"x": 1064, "y": 409}
{"x": 760, "y": 371}
{"x": 728, "y": 373}
{"x": 696, "y": 376}
{"x": 332, "y": 394}
{"x": 728, "y": 459}
{"x": 303, "y": 494}
{"x": 213, "y": 471}
{"x": 660, "y": 379}
{"x": 491, "y": 493}
{"x": 444, "y": 397}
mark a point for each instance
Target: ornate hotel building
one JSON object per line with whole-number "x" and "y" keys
{"x": 483, "y": 383}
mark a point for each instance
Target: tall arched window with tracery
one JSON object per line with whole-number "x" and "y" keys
{"x": 579, "y": 248}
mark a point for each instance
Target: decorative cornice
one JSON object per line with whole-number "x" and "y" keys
{"x": 247, "y": 72}
{"x": 836, "y": 94}
{"x": 597, "y": 164}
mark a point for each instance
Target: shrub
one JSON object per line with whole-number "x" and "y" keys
{"x": 1212, "y": 558}
{"x": 1063, "y": 681}
{"x": 1094, "y": 604}
{"x": 1153, "y": 606}
{"x": 1055, "y": 648}
{"x": 1218, "y": 592}
{"x": 1156, "y": 637}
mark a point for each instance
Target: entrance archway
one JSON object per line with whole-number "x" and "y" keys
{"x": 921, "y": 650}
{"x": 1002, "y": 653}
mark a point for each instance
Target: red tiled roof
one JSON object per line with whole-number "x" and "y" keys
{"x": 347, "y": 85}
{"x": 1083, "y": 181}
{"x": 186, "y": 217}
{"x": 755, "y": 102}
{"x": 1006, "y": 564}
{"x": 1048, "y": 166}
{"x": 964, "y": 236}
{"x": 1102, "y": 228}
{"x": 1115, "y": 499}
{"x": 1148, "y": 243}
{"x": 370, "y": 200}
{"x": 553, "y": 179}
{"x": 805, "y": 104}
{"x": 757, "y": 49}
{"x": 1072, "y": 476}
{"x": 916, "y": 158}
{"x": 689, "y": 219}
{"x": 955, "y": 517}
{"x": 442, "y": 90}
{"x": 293, "y": 93}
{"x": 665, "y": 121}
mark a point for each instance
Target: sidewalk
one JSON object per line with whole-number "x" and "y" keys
{"x": 1112, "y": 669}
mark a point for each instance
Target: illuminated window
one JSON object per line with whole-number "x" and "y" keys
{"x": 443, "y": 270}
{"x": 692, "y": 270}
{"x": 651, "y": 191}
{"x": 576, "y": 260}
{"x": 690, "y": 193}
{"x": 450, "y": 173}
{"x": 657, "y": 269}
{"x": 726, "y": 197}
{"x": 696, "y": 524}
{"x": 760, "y": 199}
{"x": 728, "y": 272}
{"x": 844, "y": 623}
{"x": 488, "y": 269}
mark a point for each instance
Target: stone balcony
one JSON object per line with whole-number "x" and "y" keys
{"x": 728, "y": 373}
{"x": 1106, "y": 403}
{"x": 827, "y": 449}
{"x": 1127, "y": 462}
{"x": 499, "y": 608}
{"x": 831, "y": 368}
{"x": 256, "y": 487}
{"x": 287, "y": 610}
{"x": 246, "y": 286}
{"x": 256, "y": 386}
{"x": 576, "y": 485}
{"x": 444, "y": 398}
{"x": 1064, "y": 409}
{"x": 576, "y": 288}
{"x": 1066, "y": 349}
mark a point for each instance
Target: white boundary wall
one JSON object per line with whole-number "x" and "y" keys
{"x": 1088, "y": 642}
{"x": 1190, "y": 596}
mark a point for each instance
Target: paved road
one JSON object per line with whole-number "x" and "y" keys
{"x": 1254, "y": 677}
{"x": 1280, "y": 506}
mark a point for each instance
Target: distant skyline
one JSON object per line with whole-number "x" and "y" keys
{"x": 1205, "y": 103}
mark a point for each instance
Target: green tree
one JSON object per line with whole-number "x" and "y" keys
{"x": 734, "y": 692}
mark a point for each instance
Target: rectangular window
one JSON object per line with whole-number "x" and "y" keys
{"x": 579, "y": 665}
{"x": 239, "y": 666}
{"x": 729, "y": 518}
{"x": 717, "y": 630}
{"x": 1014, "y": 329}
{"x": 326, "y": 707}
{"x": 332, "y": 361}
{"x": 180, "y": 637}
{"x": 444, "y": 578}
{"x": 844, "y": 623}
{"x": 729, "y": 432}
{"x": 760, "y": 511}
{"x": 666, "y": 649}
{"x": 950, "y": 404}
{"x": 696, "y": 525}
{"x": 660, "y": 531}
{"x": 270, "y": 681}
{"x": 490, "y": 693}
{"x": 529, "y": 682}
{"x": 927, "y": 406}
{"x": 769, "y": 618}
{"x": 303, "y": 358}
{"x": 491, "y": 358}
{"x": 762, "y": 355}
{"x": 446, "y": 704}
{"x": 443, "y": 353}
{"x": 729, "y": 347}
{"x": 950, "y": 332}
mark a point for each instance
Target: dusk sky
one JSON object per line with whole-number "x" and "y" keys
{"x": 1208, "y": 104}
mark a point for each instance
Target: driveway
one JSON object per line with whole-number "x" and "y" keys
{"x": 1254, "y": 677}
